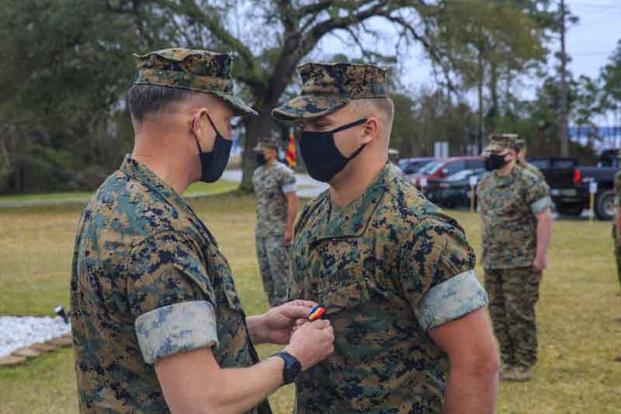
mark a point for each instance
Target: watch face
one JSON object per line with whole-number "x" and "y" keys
{"x": 292, "y": 367}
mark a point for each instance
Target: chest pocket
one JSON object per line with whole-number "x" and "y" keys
{"x": 344, "y": 296}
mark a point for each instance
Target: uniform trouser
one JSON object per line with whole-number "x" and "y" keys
{"x": 618, "y": 257}
{"x": 273, "y": 257}
{"x": 513, "y": 294}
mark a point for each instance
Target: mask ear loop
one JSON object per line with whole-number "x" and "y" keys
{"x": 351, "y": 125}
{"x": 213, "y": 125}
{"x": 347, "y": 126}
{"x": 200, "y": 150}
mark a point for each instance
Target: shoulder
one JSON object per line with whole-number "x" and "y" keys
{"x": 529, "y": 178}
{"x": 282, "y": 169}
{"x": 257, "y": 171}
{"x": 312, "y": 208}
{"x": 409, "y": 208}
{"x": 486, "y": 179}
{"x": 127, "y": 208}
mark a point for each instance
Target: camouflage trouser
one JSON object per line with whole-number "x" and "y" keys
{"x": 617, "y": 255}
{"x": 273, "y": 257}
{"x": 513, "y": 294}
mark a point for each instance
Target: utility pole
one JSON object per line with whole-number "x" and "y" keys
{"x": 564, "y": 127}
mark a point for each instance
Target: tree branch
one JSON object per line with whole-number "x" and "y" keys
{"x": 253, "y": 76}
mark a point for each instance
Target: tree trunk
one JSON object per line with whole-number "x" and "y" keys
{"x": 564, "y": 128}
{"x": 255, "y": 126}
{"x": 480, "y": 99}
{"x": 493, "y": 89}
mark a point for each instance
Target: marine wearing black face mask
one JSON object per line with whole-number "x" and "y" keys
{"x": 214, "y": 162}
{"x": 322, "y": 158}
{"x": 495, "y": 162}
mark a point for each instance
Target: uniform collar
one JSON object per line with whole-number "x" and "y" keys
{"x": 142, "y": 173}
{"x": 352, "y": 220}
{"x": 507, "y": 179}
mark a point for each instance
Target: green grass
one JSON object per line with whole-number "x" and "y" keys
{"x": 579, "y": 337}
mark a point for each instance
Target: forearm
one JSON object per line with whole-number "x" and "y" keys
{"x": 257, "y": 329}
{"x": 240, "y": 389}
{"x": 471, "y": 391}
{"x": 544, "y": 234}
{"x": 292, "y": 212}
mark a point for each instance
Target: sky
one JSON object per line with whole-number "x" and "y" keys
{"x": 589, "y": 43}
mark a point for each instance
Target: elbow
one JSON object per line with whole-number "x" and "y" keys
{"x": 485, "y": 364}
{"x": 490, "y": 364}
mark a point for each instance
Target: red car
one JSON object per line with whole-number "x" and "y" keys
{"x": 439, "y": 170}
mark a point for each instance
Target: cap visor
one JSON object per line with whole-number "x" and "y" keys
{"x": 239, "y": 107}
{"x": 307, "y": 107}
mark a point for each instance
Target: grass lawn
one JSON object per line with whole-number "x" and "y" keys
{"x": 579, "y": 337}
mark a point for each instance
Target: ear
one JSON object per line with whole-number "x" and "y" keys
{"x": 371, "y": 130}
{"x": 198, "y": 121}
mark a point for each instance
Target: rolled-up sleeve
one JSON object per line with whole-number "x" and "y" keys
{"x": 538, "y": 197}
{"x": 287, "y": 181}
{"x": 450, "y": 300}
{"x": 176, "y": 328}
{"x": 170, "y": 296}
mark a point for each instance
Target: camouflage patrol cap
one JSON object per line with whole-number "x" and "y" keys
{"x": 520, "y": 144}
{"x": 327, "y": 87}
{"x": 265, "y": 142}
{"x": 501, "y": 142}
{"x": 196, "y": 70}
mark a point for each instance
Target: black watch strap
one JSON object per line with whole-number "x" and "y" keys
{"x": 292, "y": 367}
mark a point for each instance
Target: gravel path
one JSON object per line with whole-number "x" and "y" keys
{"x": 22, "y": 331}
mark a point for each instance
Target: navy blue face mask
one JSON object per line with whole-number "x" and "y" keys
{"x": 214, "y": 162}
{"x": 322, "y": 158}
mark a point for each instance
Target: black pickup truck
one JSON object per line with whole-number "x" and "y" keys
{"x": 569, "y": 183}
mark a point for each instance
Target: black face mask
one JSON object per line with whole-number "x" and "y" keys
{"x": 321, "y": 157}
{"x": 261, "y": 158}
{"x": 214, "y": 162}
{"x": 495, "y": 162}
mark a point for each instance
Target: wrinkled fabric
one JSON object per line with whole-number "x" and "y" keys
{"x": 196, "y": 70}
{"x": 509, "y": 206}
{"x": 374, "y": 265}
{"x": 513, "y": 294}
{"x": 141, "y": 249}
{"x": 327, "y": 87}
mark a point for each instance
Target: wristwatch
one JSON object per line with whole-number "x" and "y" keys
{"x": 292, "y": 367}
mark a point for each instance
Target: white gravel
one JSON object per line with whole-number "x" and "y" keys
{"x": 22, "y": 331}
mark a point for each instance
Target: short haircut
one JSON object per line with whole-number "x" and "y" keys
{"x": 143, "y": 100}
{"x": 384, "y": 106}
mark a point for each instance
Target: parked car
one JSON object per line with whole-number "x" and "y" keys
{"x": 439, "y": 170}
{"x": 411, "y": 166}
{"x": 454, "y": 190}
{"x": 565, "y": 181}
{"x": 569, "y": 184}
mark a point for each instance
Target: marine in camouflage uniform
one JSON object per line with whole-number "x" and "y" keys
{"x": 272, "y": 182}
{"x": 509, "y": 206}
{"x": 393, "y": 160}
{"x": 617, "y": 240}
{"x": 389, "y": 267}
{"x": 148, "y": 279}
{"x": 520, "y": 147}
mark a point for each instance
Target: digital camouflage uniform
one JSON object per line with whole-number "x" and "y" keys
{"x": 148, "y": 281}
{"x": 388, "y": 267}
{"x": 271, "y": 183}
{"x": 617, "y": 242}
{"x": 509, "y": 206}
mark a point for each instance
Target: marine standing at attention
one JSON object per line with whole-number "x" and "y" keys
{"x": 396, "y": 275}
